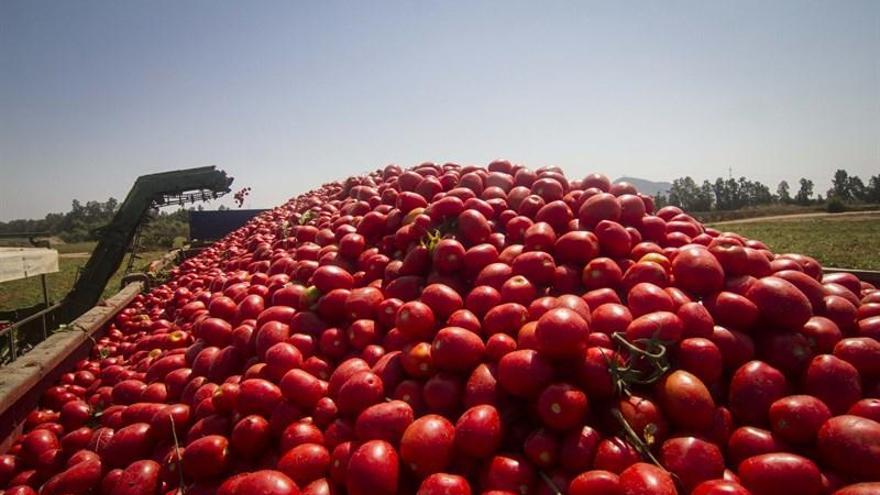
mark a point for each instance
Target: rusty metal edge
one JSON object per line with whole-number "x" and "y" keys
{"x": 870, "y": 276}
{"x": 23, "y": 381}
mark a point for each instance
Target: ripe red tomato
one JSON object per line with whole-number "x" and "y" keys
{"x": 849, "y": 444}
{"x": 780, "y": 473}
{"x": 427, "y": 444}
{"x": 646, "y": 478}
{"x": 686, "y": 401}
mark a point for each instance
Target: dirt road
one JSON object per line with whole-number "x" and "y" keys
{"x": 801, "y": 216}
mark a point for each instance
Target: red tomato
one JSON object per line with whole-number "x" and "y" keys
{"x": 780, "y": 474}
{"x": 642, "y": 478}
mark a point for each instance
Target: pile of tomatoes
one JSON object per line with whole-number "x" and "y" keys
{"x": 464, "y": 330}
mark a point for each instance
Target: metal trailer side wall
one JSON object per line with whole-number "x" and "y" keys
{"x": 24, "y": 381}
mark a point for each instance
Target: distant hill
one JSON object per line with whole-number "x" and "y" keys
{"x": 646, "y": 186}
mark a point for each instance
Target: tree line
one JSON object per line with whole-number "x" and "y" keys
{"x": 733, "y": 194}
{"x": 84, "y": 221}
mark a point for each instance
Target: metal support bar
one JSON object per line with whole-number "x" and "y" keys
{"x": 11, "y": 333}
{"x": 46, "y": 302}
{"x": 12, "y": 330}
{"x": 23, "y": 382}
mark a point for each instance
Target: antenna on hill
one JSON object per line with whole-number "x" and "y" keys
{"x": 729, "y": 172}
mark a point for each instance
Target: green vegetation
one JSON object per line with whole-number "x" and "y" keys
{"x": 83, "y": 223}
{"x": 842, "y": 242}
{"x": 735, "y": 194}
{"x": 28, "y": 292}
{"x": 773, "y": 210}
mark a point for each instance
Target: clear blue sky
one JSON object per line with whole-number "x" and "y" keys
{"x": 288, "y": 95}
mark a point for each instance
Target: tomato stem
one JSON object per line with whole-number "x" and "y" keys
{"x": 549, "y": 482}
{"x": 634, "y": 439}
{"x": 177, "y": 453}
{"x": 654, "y": 354}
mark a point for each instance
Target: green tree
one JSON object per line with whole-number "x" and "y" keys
{"x": 805, "y": 192}
{"x": 782, "y": 191}
{"x": 857, "y": 189}
{"x": 704, "y": 197}
{"x": 873, "y": 189}
{"x": 840, "y": 186}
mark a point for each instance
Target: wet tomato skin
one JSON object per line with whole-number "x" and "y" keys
{"x": 850, "y": 444}
{"x": 753, "y": 387}
{"x": 797, "y": 418}
{"x": 596, "y": 482}
{"x": 868, "y": 488}
{"x": 686, "y": 401}
{"x": 780, "y": 474}
{"x": 692, "y": 460}
{"x": 720, "y": 487}
{"x": 644, "y": 478}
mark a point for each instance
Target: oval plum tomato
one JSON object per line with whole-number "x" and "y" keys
{"x": 789, "y": 352}
{"x": 576, "y": 247}
{"x": 720, "y": 487}
{"x": 373, "y": 469}
{"x": 614, "y": 240}
{"x": 524, "y": 373}
{"x": 753, "y": 387}
{"x": 834, "y": 381}
{"x": 850, "y": 444}
{"x": 696, "y": 270}
{"x": 562, "y": 406}
{"x": 748, "y": 441}
{"x": 561, "y": 333}
{"x": 444, "y": 484}
{"x": 780, "y": 473}
{"x": 696, "y": 319}
{"x": 700, "y": 357}
{"x": 686, "y": 401}
{"x": 780, "y": 302}
{"x": 427, "y": 444}
{"x": 610, "y": 318}
{"x": 692, "y": 460}
{"x": 478, "y": 431}
{"x": 206, "y": 457}
{"x": 645, "y": 416}
{"x": 732, "y": 310}
{"x": 602, "y": 206}
{"x": 250, "y": 436}
{"x": 541, "y": 447}
{"x": 646, "y": 298}
{"x": 578, "y": 449}
{"x": 601, "y": 273}
{"x": 473, "y": 227}
{"x": 384, "y": 421}
{"x": 305, "y": 463}
{"x": 508, "y": 474}
{"x": 614, "y": 454}
{"x": 139, "y": 477}
{"x": 415, "y": 319}
{"x": 329, "y": 277}
{"x": 797, "y": 418}
{"x": 360, "y": 391}
{"x": 595, "y": 482}
{"x": 861, "y": 352}
{"x": 266, "y": 482}
{"x": 442, "y": 299}
{"x": 457, "y": 349}
{"x": 866, "y": 408}
{"x": 643, "y": 478}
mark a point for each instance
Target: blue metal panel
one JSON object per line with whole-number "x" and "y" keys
{"x": 215, "y": 224}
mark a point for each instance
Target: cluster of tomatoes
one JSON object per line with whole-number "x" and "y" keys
{"x": 466, "y": 330}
